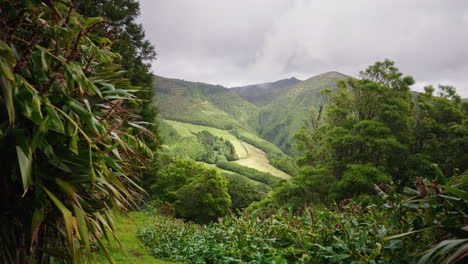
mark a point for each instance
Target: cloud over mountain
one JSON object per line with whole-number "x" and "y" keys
{"x": 242, "y": 42}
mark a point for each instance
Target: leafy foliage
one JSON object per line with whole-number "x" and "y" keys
{"x": 136, "y": 54}
{"x": 251, "y": 173}
{"x": 243, "y": 194}
{"x": 74, "y": 145}
{"x": 374, "y": 131}
{"x": 204, "y": 198}
{"x": 198, "y": 193}
{"x": 203, "y": 147}
{"x": 400, "y": 231}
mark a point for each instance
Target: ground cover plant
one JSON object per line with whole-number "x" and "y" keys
{"x": 425, "y": 225}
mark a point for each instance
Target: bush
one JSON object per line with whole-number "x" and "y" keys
{"x": 345, "y": 233}
{"x": 251, "y": 173}
{"x": 242, "y": 194}
{"x": 204, "y": 199}
{"x": 198, "y": 193}
{"x": 357, "y": 180}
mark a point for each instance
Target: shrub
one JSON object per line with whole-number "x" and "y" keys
{"x": 404, "y": 228}
{"x": 251, "y": 173}
{"x": 204, "y": 199}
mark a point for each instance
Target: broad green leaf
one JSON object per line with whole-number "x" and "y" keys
{"x": 458, "y": 192}
{"x": 25, "y": 164}
{"x": 7, "y": 53}
{"x": 54, "y": 121}
{"x": 90, "y": 21}
{"x": 66, "y": 187}
{"x": 37, "y": 218}
{"x": 67, "y": 215}
{"x": 7, "y": 90}
{"x": 82, "y": 226}
{"x": 73, "y": 145}
{"x": 6, "y": 70}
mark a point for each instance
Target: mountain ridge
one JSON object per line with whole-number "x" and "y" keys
{"x": 277, "y": 117}
{"x": 259, "y": 93}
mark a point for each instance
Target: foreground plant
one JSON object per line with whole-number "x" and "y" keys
{"x": 425, "y": 225}
{"x": 71, "y": 145}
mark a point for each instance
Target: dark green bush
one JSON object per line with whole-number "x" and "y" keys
{"x": 253, "y": 174}
{"x": 425, "y": 225}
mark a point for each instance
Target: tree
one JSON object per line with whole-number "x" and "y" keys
{"x": 357, "y": 180}
{"x": 204, "y": 199}
{"x": 441, "y": 130}
{"x": 72, "y": 148}
{"x": 198, "y": 193}
{"x": 375, "y": 131}
{"x": 242, "y": 194}
{"x": 136, "y": 55}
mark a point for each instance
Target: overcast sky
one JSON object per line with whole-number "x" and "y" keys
{"x": 241, "y": 42}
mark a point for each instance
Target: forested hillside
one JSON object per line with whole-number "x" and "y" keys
{"x": 281, "y": 118}
{"x": 204, "y": 104}
{"x": 380, "y": 179}
{"x": 281, "y": 109}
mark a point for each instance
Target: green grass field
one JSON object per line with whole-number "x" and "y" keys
{"x": 232, "y": 174}
{"x": 126, "y": 227}
{"x": 249, "y": 155}
{"x": 187, "y": 129}
{"x": 257, "y": 159}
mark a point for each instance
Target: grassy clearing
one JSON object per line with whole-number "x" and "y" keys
{"x": 232, "y": 175}
{"x": 249, "y": 155}
{"x": 187, "y": 129}
{"x": 126, "y": 227}
{"x": 257, "y": 159}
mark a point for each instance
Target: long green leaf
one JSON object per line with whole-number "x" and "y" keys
{"x": 7, "y": 90}
{"x": 405, "y": 234}
{"x": 25, "y": 164}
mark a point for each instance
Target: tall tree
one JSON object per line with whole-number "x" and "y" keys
{"x": 136, "y": 55}
{"x": 71, "y": 147}
{"x": 374, "y": 131}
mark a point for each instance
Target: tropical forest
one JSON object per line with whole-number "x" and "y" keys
{"x": 104, "y": 160}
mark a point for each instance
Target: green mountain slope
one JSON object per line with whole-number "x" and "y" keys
{"x": 263, "y": 93}
{"x": 275, "y": 114}
{"x": 282, "y": 117}
{"x": 205, "y": 104}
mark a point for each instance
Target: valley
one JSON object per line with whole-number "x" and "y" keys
{"x": 260, "y": 121}
{"x": 248, "y": 155}
{"x": 106, "y": 162}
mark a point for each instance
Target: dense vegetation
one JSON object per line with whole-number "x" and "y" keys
{"x": 205, "y": 104}
{"x": 190, "y": 190}
{"x": 251, "y": 173}
{"x": 397, "y": 229}
{"x": 370, "y": 141}
{"x": 380, "y": 172}
{"x": 203, "y": 146}
{"x": 73, "y": 144}
{"x": 136, "y": 54}
{"x": 375, "y": 131}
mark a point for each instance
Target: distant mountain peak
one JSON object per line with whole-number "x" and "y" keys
{"x": 263, "y": 92}
{"x": 331, "y": 74}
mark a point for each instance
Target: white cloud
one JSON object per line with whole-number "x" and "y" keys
{"x": 240, "y": 42}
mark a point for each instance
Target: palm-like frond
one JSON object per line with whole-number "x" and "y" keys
{"x": 71, "y": 144}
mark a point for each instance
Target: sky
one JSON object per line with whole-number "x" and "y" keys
{"x": 242, "y": 42}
